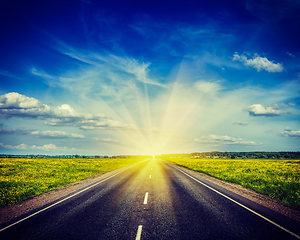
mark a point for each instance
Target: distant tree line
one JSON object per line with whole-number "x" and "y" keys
{"x": 237, "y": 155}
{"x": 227, "y": 155}
{"x": 68, "y": 156}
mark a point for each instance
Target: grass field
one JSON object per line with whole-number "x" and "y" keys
{"x": 22, "y": 178}
{"x": 279, "y": 179}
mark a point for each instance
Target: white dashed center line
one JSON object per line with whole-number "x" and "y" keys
{"x": 139, "y": 232}
{"x": 146, "y": 198}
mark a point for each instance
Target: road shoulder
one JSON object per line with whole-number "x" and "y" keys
{"x": 10, "y": 212}
{"x": 288, "y": 211}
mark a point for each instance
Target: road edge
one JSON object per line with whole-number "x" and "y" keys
{"x": 249, "y": 194}
{"x": 10, "y": 212}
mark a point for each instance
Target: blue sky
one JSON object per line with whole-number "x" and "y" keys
{"x": 149, "y": 77}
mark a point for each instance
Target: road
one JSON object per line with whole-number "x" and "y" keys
{"x": 151, "y": 200}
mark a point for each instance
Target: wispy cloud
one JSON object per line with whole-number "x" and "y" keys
{"x": 110, "y": 78}
{"x": 223, "y": 139}
{"x": 45, "y": 147}
{"x": 8, "y": 74}
{"x": 106, "y": 140}
{"x": 41, "y": 134}
{"x": 51, "y": 147}
{"x": 194, "y": 103}
{"x": 291, "y": 55}
{"x": 208, "y": 88}
{"x": 259, "y": 63}
{"x": 90, "y": 123}
{"x": 240, "y": 123}
{"x": 20, "y": 131}
{"x": 127, "y": 68}
{"x": 56, "y": 134}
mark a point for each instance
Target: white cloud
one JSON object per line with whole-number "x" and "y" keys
{"x": 259, "y": 63}
{"x": 224, "y": 139}
{"x": 56, "y": 134}
{"x": 260, "y": 110}
{"x": 17, "y": 105}
{"x": 291, "y": 133}
{"x": 91, "y": 124}
{"x": 18, "y": 147}
{"x": 15, "y": 100}
{"x": 50, "y": 147}
{"x": 41, "y": 134}
{"x": 106, "y": 140}
{"x": 45, "y": 147}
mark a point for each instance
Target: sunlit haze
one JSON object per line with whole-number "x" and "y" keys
{"x": 93, "y": 78}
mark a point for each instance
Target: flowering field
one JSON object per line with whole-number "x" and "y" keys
{"x": 279, "y": 179}
{"x": 22, "y": 178}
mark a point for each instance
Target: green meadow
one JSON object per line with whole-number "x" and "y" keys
{"x": 279, "y": 179}
{"x": 22, "y": 178}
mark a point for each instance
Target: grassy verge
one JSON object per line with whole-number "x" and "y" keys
{"x": 279, "y": 179}
{"x": 22, "y": 178}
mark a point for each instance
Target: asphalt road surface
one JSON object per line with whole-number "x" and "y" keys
{"x": 151, "y": 200}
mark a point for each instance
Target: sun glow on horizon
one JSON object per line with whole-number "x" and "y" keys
{"x": 160, "y": 123}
